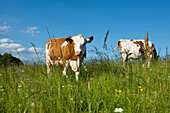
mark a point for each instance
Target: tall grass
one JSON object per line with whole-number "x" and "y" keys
{"x": 103, "y": 86}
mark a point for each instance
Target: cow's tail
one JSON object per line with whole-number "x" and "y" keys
{"x": 115, "y": 47}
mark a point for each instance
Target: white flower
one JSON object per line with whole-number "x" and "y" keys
{"x": 81, "y": 101}
{"x": 2, "y": 90}
{"x": 85, "y": 69}
{"x": 62, "y": 86}
{"x": 66, "y": 76}
{"x": 118, "y": 110}
{"x": 0, "y": 74}
{"x": 71, "y": 98}
{"x": 0, "y": 86}
{"x": 19, "y": 86}
{"x": 91, "y": 78}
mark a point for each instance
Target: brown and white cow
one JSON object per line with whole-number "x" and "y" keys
{"x": 135, "y": 49}
{"x": 66, "y": 51}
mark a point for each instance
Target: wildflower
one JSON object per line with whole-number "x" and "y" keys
{"x": 71, "y": 98}
{"x": 66, "y": 76}
{"x": 62, "y": 86}
{"x": 85, "y": 69}
{"x": 91, "y": 78}
{"x": 19, "y": 86}
{"x": 97, "y": 82}
{"x": 139, "y": 86}
{"x": 81, "y": 101}
{"x": 120, "y": 91}
{"x": 0, "y": 74}
{"x": 0, "y": 86}
{"x": 141, "y": 89}
{"x": 1, "y": 89}
{"x": 118, "y": 110}
{"x": 116, "y": 90}
{"x": 138, "y": 104}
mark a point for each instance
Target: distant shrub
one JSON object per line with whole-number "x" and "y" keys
{"x": 7, "y": 60}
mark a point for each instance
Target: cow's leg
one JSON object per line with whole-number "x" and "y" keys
{"x": 124, "y": 58}
{"x": 49, "y": 66}
{"x": 65, "y": 65}
{"x": 74, "y": 67}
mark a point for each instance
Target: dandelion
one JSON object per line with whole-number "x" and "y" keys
{"x": 139, "y": 86}
{"x": 120, "y": 91}
{"x": 116, "y": 90}
{"x": 138, "y": 104}
{"x": 118, "y": 110}
{"x": 141, "y": 89}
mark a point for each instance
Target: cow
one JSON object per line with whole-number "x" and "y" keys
{"x": 136, "y": 49}
{"x": 68, "y": 51}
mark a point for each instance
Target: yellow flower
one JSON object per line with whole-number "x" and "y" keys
{"x": 138, "y": 104}
{"x": 116, "y": 90}
{"x": 139, "y": 86}
{"x": 120, "y": 91}
{"x": 141, "y": 89}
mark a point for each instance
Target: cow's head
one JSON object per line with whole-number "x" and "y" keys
{"x": 79, "y": 42}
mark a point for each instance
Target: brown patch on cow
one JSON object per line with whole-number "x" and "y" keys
{"x": 141, "y": 44}
{"x": 120, "y": 46}
{"x": 153, "y": 51}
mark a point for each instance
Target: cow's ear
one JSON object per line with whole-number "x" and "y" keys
{"x": 69, "y": 40}
{"x": 90, "y": 39}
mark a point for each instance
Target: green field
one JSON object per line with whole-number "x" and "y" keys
{"x": 103, "y": 86}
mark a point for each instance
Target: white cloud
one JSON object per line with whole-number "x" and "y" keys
{"x": 39, "y": 50}
{"x": 10, "y": 46}
{"x": 21, "y": 49}
{"x": 4, "y": 29}
{"x": 4, "y": 40}
{"x": 33, "y": 30}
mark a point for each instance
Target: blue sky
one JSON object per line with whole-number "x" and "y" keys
{"x": 23, "y": 22}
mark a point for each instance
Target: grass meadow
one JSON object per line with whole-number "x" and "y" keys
{"x": 103, "y": 86}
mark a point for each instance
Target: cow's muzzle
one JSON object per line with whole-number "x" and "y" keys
{"x": 78, "y": 53}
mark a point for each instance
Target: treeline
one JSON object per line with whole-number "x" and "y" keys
{"x": 7, "y": 60}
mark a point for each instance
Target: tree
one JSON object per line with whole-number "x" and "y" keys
{"x": 7, "y": 60}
